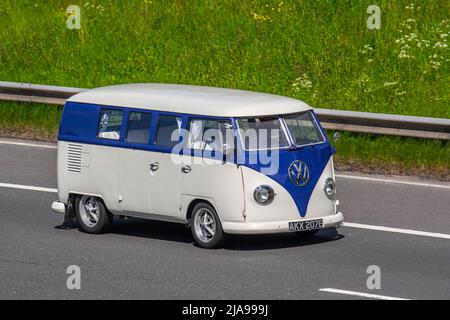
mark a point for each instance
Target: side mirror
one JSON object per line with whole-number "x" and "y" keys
{"x": 336, "y": 137}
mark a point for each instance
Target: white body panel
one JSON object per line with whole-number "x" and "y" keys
{"x": 123, "y": 179}
{"x": 199, "y": 100}
{"x": 165, "y": 185}
{"x": 319, "y": 205}
{"x": 89, "y": 169}
{"x": 134, "y": 188}
{"x": 217, "y": 182}
{"x": 275, "y": 217}
{"x": 283, "y": 207}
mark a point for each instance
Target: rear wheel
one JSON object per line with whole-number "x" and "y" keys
{"x": 206, "y": 227}
{"x": 92, "y": 215}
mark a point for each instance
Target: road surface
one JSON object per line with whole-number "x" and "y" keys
{"x": 401, "y": 225}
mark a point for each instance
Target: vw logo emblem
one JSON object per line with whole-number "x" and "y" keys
{"x": 299, "y": 173}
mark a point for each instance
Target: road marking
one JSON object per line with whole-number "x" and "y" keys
{"x": 344, "y": 224}
{"x": 411, "y": 183}
{"x": 360, "y": 294}
{"x": 344, "y": 176}
{"x": 32, "y": 188}
{"x": 25, "y": 144}
{"x": 396, "y": 230}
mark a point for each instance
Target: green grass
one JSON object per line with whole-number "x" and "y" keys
{"x": 21, "y": 120}
{"x": 318, "y": 51}
{"x": 221, "y": 43}
{"x": 393, "y": 155}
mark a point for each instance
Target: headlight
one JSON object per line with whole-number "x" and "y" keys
{"x": 330, "y": 187}
{"x": 264, "y": 195}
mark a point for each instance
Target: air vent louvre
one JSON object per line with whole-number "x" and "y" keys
{"x": 74, "y": 152}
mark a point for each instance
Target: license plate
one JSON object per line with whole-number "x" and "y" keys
{"x": 306, "y": 225}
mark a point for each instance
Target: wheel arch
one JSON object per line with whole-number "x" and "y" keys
{"x": 75, "y": 195}
{"x": 196, "y": 201}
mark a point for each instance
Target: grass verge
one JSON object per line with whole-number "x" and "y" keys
{"x": 29, "y": 121}
{"x": 355, "y": 152}
{"x": 393, "y": 155}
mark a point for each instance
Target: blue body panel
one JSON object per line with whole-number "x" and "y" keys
{"x": 315, "y": 157}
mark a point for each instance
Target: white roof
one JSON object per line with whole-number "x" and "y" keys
{"x": 186, "y": 99}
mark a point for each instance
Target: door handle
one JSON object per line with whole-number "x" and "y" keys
{"x": 154, "y": 166}
{"x": 186, "y": 169}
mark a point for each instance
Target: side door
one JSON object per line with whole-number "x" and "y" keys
{"x": 206, "y": 174}
{"x": 135, "y": 160}
{"x": 165, "y": 165}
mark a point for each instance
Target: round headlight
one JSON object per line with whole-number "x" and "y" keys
{"x": 330, "y": 187}
{"x": 264, "y": 195}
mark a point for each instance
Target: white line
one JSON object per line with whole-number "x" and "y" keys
{"x": 396, "y": 230}
{"x": 360, "y": 294}
{"x": 411, "y": 183}
{"x": 344, "y": 224}
{"x": 344, "y": 176}
{"x": 32, "y": 188}
{"x": 25, "y": 144}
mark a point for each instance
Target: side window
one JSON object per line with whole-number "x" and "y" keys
{"x": 207, "y": 134}
{"x": 110, "y": 123}
{"x": 139, "y": 124}
{"x": 168, "y": 131}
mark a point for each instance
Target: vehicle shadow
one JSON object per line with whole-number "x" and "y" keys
{"x": 143, "y": 228}
{"x": 67, "y": 225}
{"x": 153, "y": 229}
{"x": 174, "y": 232}
{"x": 279, "y": 241}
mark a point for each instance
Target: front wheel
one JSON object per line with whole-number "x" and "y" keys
{"x": 206, "y": 227}
{"x": 92, "y": 215}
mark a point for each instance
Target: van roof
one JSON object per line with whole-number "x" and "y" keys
{"x": 209, "y": 101}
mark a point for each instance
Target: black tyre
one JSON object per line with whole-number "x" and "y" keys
{"x": 92, "y": 215}
{"x": 206, "y": 227}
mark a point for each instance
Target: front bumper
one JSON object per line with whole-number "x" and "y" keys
{"x": 58, "y": 207}
{"x": 331, "y": 221}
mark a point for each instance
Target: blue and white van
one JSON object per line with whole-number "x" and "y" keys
{"x": 221, "y": 161}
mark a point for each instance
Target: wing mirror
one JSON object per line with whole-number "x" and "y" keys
{"x": 336, "y": 137}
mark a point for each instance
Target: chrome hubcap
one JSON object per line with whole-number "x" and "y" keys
{"x": 205, "y": 225}
{"x": 89, "y": 211}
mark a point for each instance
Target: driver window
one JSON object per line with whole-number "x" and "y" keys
{"x": 110, "y": 124}
{"x": 207, "y": 134}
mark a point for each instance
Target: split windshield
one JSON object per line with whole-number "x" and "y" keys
{"x": 261, "y": 133}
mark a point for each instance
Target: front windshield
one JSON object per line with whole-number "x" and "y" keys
{"x": 304, "y": 129}
{"x": 262, "y": 133}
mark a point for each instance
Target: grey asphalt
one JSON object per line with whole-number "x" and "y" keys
{"x": 155, "y": 260}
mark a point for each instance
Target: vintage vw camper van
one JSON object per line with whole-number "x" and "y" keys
{"x": 221, "y": 161}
